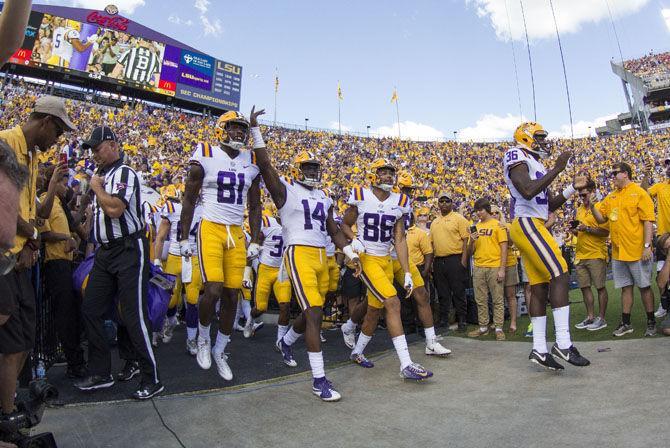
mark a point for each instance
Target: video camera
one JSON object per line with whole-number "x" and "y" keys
{"x": 13, "y": 427}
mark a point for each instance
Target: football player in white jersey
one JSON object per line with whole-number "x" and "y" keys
{"x": 528, "y": 182}
{"x": 228, "y": 177}
{"x": 170, "y": 228}
{"x": 378, "y": 214}
{"x": 65, "y": 41}
{"x": 268, "y": 277}
{"x": 306, "y": 214}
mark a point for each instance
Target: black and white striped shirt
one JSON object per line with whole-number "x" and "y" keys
{"x": 122, "y": 182}
{"x": 139, "y": 65}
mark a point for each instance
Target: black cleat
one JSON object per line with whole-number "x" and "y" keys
{"x": 570, "y": 355}
{"x": 147, "y": 391}
{"x": 94, "y": 382}
{"x": 545, "y": 360}
{"x": 131, "y": 369}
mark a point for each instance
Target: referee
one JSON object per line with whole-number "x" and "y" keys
{"x": 120, "y": 270}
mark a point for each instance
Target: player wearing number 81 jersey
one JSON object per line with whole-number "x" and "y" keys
{"x": 228, "y": 178}
{"x": 378, "y": 214}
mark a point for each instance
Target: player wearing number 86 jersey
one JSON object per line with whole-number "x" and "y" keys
{"x": 378, "y": 214}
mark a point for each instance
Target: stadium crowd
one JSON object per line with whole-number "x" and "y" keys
{"x": 650, "y": 65}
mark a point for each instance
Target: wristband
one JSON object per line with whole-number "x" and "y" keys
{"x": 36, "y": 234}
{"x": 258, "y": 137}
{"x": 569, "y": 191}
{"x": 348, "y": 251}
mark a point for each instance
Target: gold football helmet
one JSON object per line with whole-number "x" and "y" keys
{"x": 222, "y": 133}
{"x": 532, "y": 137}
{"x": 311, "y": 178}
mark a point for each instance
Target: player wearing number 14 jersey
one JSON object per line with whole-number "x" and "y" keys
{"x": 228, "y": 177}
{"x": 528, "y": 182}
{"x": 306, "y": 214}
{"x": 378, "y": 214}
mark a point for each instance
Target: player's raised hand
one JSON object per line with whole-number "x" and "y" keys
{"x": 563, "y": 159}
{"x": 253, "y": 116}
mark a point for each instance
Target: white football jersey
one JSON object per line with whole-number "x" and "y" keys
{"x": 538, "y": 207}
{"x": 405, "y": 217}
{"x": 376, "y": 219}
{"x": 61, "y": 42}
{"x": 273, "y": 242}
{"x": 226, "y": 183}
{"x": 303, "y": 216}
{"x": 172, "y": 212}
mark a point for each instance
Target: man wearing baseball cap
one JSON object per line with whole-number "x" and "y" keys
{"x": 449, "y": 234}
{"x": 47, "y": 122}
{"x": 120, "y": 270}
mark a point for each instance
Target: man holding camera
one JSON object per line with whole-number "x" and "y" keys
{"x": 591, "y": 259}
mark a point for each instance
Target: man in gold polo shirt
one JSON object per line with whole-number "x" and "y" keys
{"x": 630, "y": 213}
{"x": 661, "y": 192}
{"x": 449, "y": 235}
{"x": 56, "y": 232}
{"x": 488, "y": 244}
{"x": 591, "y": 260}
{"x": 45, "y": 124}
{"x": 420, "y": 251}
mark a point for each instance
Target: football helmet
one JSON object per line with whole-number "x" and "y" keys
{"x": 405, "y": 180}
{"x": 311, "y": 179}
{"x": 375, "y": 166}
{"x": 222, "y": 133}
{"x": 532, "y": 137}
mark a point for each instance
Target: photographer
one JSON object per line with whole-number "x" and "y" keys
{"x": 44, "y": 126}
{"x": 591, "y": 259}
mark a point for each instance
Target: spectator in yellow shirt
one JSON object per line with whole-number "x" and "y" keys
{"x": 591, "y": 260}
{"x": 488, "y": 244}
{"x": 511, "y": 271}
{"x": 630, "y": 212}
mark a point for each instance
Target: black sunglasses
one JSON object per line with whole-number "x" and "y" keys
{"x": 444, "y": 200}
{"x": 614, "y": 173}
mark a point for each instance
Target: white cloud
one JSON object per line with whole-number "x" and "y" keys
{"x": 666, "y": 16}
{"x": 202, "y": 6}
{"x": 491, "y": 127}
{"x": 334, "y": 125}
{"x": 174, "y": 18}
{"x": 582, "y": 128}
{"x": 411, "y": 130}
{"x": 570, "y": 15}
{"x": 209, "y": 27}
{"x": 125, "y": 6}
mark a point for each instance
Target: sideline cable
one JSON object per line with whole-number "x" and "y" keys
{"x": 530, "y": 61}
{"x": 516, "y": 71}
{"x": 165, "y": 424}
{"x": 565, "y": 74}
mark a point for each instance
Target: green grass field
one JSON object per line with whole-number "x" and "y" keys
{"x": 578, "y": 313}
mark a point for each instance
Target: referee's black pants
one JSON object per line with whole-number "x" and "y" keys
{"x": 120, "y": 270}
{"x": 450, "y": 278}
{"x": 58, "y": 277}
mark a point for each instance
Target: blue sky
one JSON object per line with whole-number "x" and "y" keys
{"x": 451, "y": 60}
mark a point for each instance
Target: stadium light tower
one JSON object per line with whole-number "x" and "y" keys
{"x": 367, "y": 129}
{"x": 666, "y": 16}
{"x": 306, "y": 120}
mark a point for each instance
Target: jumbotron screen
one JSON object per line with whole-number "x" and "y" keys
{"x": 103, "y": 48}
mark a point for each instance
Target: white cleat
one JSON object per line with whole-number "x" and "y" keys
{"x": 436, "y": 349}
{"x": 222, "y": 365}
{"x": 248, "y": 330}
{"x": 192, "y": 346}
{"x": 349, "y": 338}
{"x": 203, "y": 355}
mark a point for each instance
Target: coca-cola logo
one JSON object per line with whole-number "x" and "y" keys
{"x": 117, "y": 23}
